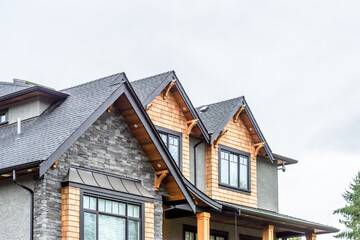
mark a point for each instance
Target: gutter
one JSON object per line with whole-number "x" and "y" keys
{"x": 31, "y": 204}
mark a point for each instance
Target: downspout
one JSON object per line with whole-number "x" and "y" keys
{"x": 31, "y": 204}
{"x": 195, "y": 154}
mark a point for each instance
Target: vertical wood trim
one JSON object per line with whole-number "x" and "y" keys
{"x": 149, "y": 221}
{"x": 203, "y": 226}
{"x": 70, "y": 213}
{"x": 268, "y": 233}
{"x": 310, "y": 236}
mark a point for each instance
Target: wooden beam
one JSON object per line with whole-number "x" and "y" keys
{"x": 109, "y": 108}
{"x": 191, "y": 126}
{"x": 159, "y": 176}
{"x": 241, "y": 109}
{"x": 53, "y": 167}
{"x": 268, "y": 233}
{"x": 203, "y": 226}
{"x": 148, "y": 106}
{"x": 171, "y": 84}
{"x": 219, "y": 137}
{"x": 258, "y": 146}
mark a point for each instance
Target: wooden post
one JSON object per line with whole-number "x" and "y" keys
{"x": 203, "y": 226}
{"x": 268, "y": 233}
{"x": 311, "y": 236}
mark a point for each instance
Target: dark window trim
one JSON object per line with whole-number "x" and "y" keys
{"x": 213, "y": 232}
{"x": 174, "y": 133}
{"x": 237, "y": 152}
{"x": 6, "y": 111}
{"x": 113, "y": 198}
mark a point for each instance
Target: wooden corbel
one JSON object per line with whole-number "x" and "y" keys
{"x": 159, "y": 176}
{"x": 190, "y": 125}
{"x": 219, "y": 137}
{"x": 148, "y": 106}
{"x": 53, "y": 167}
{"x": 241, "y": 109}
{"x": 258, "y": 146}
{"x": 109, "y": 108}
{"x": 171, "y": 84}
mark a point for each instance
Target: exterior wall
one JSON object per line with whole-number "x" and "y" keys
{"x": 170, "y": 225}
{"x": 109, "y": 146}
{"x": 26, "y": 109}
{"x": 267, "y": 185}
{"x": 70, "y": 213}
{"x": 15, "y": 208}
{"x": 200, "y": 164}
{"x": 239, "y": 138}
{"x": 149, "y": 221}
{"x": 166, "y": 113}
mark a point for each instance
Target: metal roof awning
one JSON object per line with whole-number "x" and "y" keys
{"x": 103, "y": 180}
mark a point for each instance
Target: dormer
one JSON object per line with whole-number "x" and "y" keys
{"x": 25, "y": 100}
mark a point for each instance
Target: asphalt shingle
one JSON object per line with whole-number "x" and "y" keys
{"x": 43, "y": 135}
{"x": 216, "y": 113}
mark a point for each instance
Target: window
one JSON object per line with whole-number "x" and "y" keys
{"x": 105, "y": 219}
{"x": 173, "y": 142}
{"x": 234, "y": 170}
{"x": 3, "y": 116}
{"x": 190, "y": 234}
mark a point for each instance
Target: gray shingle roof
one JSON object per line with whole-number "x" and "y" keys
{"x": 217, "y": 113}
{"x": 146, "y": 86}
{"x": 42, "y": 136}
{"x": 11, "y": 87}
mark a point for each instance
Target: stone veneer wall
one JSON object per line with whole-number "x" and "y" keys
{"x": 109, "y": 146}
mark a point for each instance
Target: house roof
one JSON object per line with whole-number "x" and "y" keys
{"x": 43, "y": 136}
{"x": 11, "y": 87}
{"x": 217, "y": 115}
{"x": 148, "y": 88}
{"x": 282, "y": 218}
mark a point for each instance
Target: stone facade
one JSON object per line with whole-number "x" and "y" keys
{"x": 109, "y": 146}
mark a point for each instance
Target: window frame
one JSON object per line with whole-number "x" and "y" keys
{"x": 127, "y": 200}
{"x": 6, "y": 112}
{"x": 238, "y": 153}
{"x": 217, "y": 233}
{"x": 168, "y": 132}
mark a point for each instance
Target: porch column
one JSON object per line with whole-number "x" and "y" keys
{"x": 268, "y": 233}
{"x": 310, "y": 236}
{"x": 203, "y": 226}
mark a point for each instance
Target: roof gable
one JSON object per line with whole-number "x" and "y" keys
{"x": 149, "y": 88}
{"x": 217, "y": 115}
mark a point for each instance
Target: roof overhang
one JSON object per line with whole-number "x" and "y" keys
{"x": 284, "y": 160}
{"x": 30, "y": 93}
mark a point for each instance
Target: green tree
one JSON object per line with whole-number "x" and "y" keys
{"x": 351, "y": 211}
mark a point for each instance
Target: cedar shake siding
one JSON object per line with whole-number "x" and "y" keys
{"x": 108, "y": 146}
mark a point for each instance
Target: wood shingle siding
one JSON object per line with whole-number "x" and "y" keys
{"x": 237, "y": 137}
{"x": 70, "y": 213}
{"x": 168, "y": 114}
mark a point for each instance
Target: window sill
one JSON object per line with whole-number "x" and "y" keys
{"x": 3, "y": 123}
{"x": 247, "y": 192}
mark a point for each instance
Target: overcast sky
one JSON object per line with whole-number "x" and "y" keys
{"x": 296, "y": 62}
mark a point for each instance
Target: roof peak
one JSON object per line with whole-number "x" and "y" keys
{"x": 223, "y": 101}
{"x": 160, "y": 74}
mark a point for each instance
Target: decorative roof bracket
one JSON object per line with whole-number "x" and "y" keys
{"x": 241, "y": 109}
{"x": 191, "y": 126}
{"x": 219, "y": 137}
{"x": 159, "y": 176}
{"x": 171, "y": 84}
{"x": 258, "y": 146}
{"x": 148, "y": 106}
{"x": 109, "y": 108}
